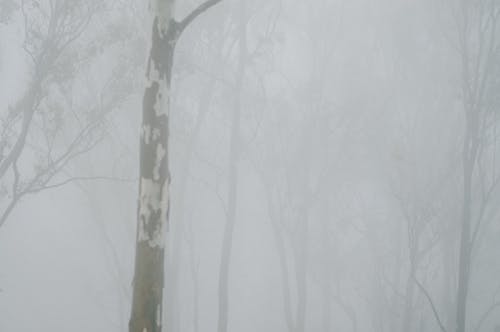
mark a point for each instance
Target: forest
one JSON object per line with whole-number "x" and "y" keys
{"x": 249, "y": 165}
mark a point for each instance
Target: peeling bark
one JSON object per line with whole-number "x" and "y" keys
{"x": 153, "y": 202}
{"x": 154, "y": 194}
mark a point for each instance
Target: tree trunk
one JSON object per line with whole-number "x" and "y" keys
{"x": 277, "y": 220}
{"x": 465, "y": 250}
{"x": 398, "y": 265}
{"x": 469, "y": 158}
{"x": 154, "y": 182}
{"x": 449, "y": 281}
{"x": 301, "y": 265}
{"x": 327, "y": 275}
{"x": 153, "y": 202}
{"x": 410, "y": 287}
{"x": 178, "y": 229}
{"x": 232, "y": 190}
{"x": 409, "y": 297}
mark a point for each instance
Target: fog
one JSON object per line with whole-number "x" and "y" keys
{"x": 332, "y": 165}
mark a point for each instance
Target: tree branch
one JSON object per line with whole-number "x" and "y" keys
{"x": 434, "y": 310}
{"x": 82, "y": 178}
{"x": 194, "y": 14}
{"x": 485, "y": 315}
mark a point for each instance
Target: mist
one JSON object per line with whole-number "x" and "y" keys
{"x": 277, "y": 165}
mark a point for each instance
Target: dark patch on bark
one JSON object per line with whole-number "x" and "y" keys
{"x": 162, "y": 49}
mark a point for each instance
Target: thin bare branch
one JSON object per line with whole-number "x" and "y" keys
{"x": 182, "y": 25}
{"x": 429, "y": 299}
{"x": 83, "y": 178}
{"x": 485, "y": 315}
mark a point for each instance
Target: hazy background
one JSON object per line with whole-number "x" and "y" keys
{"x": 349, "y": 164}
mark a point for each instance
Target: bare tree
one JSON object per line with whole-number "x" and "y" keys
{"x": 46, "y": 127}
{"x": 478, "y": 48}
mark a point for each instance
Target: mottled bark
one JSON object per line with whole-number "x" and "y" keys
{"x": 154, "y": 181}
{"x": 153, "y": 203}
